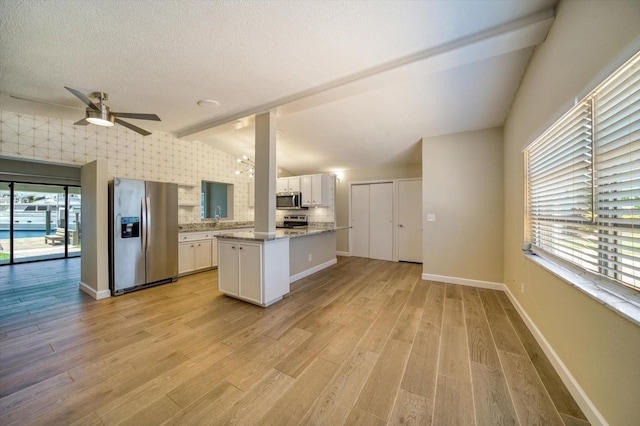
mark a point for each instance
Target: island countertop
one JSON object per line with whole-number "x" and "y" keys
{"x": 281, "y": 233}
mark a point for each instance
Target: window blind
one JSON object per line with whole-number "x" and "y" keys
{"x": 617, "y": 175}
{"x": 583, "y": 181}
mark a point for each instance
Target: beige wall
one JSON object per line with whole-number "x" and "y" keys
{"x": 601, "y": 349}
{"x": 462, "y": 185}
{"x": 364, "y": 175}
{"x": 94, "y": 271}
{"x": 321, "y": 248}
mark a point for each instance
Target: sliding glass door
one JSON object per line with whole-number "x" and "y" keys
{"x": 5, "y": 212}
{"x": 39, "y": 221}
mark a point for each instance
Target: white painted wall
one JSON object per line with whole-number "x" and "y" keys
{"x": 600, "y": 349}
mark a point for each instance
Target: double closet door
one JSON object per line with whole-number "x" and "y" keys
{"x": 372, "y": 220}
{"x": 373, "y": 206}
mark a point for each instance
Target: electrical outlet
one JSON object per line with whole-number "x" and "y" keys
{"x": 522, "y": 288}
{"x": 309, "y": 258}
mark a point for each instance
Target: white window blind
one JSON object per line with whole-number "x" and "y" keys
{"x": 583, "y": 181}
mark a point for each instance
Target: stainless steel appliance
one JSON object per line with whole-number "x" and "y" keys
{"x": 294, "y": 221}
{"x": 289, "y": 201}
{"x": 143, "y": 229}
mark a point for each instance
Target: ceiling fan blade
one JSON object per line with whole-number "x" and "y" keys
{"x": 45, "y": 102}
{"x": 137, "y": 116}
{"x": 83, "y": 98}
{"x": 82, "y": 122}
{"x": 143, "y": 132}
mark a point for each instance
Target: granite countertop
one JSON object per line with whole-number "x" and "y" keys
{"x": 213, "y": 226}
{"x": 283, "y": 233}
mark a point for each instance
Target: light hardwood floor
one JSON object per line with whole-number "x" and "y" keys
{"x": 363, "y": 342}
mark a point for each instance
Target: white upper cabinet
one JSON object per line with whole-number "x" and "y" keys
{"x": 288, "y": 184}
{"x": 316, "y": 190}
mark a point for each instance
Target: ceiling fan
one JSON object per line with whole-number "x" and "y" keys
{"x": 102, "y": 115}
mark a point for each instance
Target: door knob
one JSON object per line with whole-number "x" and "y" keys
{"x": 400, "y": 226}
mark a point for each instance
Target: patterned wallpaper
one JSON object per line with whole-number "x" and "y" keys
{"x": 157, "y": 157}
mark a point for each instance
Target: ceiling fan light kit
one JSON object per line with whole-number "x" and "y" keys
{"x": 102, "y": 115}
{"x": 101, "y": 118}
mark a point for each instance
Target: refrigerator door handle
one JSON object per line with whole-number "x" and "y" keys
{"x": 147, "y": 225}
{"x": 143, "y": 214}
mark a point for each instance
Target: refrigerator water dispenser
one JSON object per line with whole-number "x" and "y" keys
{"x": 130, "y": 227}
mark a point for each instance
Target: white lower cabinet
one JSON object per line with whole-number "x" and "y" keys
{"x": 185, "y": 258}
{"x": 257, "y": 272}
{"x": 202, "y": 254}
{"x": 195, "y": 252}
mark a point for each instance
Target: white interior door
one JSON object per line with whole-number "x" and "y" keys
{"x": 360, "y": 220}
{"x": 381, "y": 221}
{"x": 410, "y": 220}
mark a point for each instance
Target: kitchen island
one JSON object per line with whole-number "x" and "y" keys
{"x": 259, "y": 269}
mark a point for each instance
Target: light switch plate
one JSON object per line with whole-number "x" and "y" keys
{"x": 431, "y": 217}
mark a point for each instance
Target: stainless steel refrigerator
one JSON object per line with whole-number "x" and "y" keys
{"x": 143, "y": 228}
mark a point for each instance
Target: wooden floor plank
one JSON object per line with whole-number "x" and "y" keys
{"x": 504, "y": 335}
{"x": 375, "y": 398}
{"x": 153, "y": 414}
{"x": 531, "y": 401}
{"x": 335, "y": 403}
{"x": 560, "y": 395}
{"x": 359, "y": 417}
{"x": 377, "y": 335}
{"x": 454, "y": 402}
{"x": 490, "y": 302}
{"x": 362, "y": 342}
{"x": 296, "y": 362}
{"x": 481, "y": 347}
{"x": 291, "y": 408}
{"x": 411, "y": 410}
{"x": 492, "y": 400}
{"x": 252, "y": 406}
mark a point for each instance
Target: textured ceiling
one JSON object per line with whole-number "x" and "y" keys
{"x": 355, "y": 83}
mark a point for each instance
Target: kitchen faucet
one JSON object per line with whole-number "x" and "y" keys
{"x": 217, "y": 213}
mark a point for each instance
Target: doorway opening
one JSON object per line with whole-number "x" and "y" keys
{"x": 39, "y": 221}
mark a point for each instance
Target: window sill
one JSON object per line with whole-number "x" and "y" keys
{"x": 623, "y": 301}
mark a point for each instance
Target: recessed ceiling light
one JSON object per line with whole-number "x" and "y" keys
{"x": 208, "y": 103}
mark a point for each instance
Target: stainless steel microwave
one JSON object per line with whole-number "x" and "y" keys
{"x": 289, "y": 201}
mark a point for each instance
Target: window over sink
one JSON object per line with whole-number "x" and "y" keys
{"x": 216, "y": 200}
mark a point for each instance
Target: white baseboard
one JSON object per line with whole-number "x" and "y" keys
{"x": 583, "y": 401}
{"x": 464, "y": 281}
{"x": 342, "y": 253}
{"x": 102, "y": 294}
{"x": 306, "y": 273}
